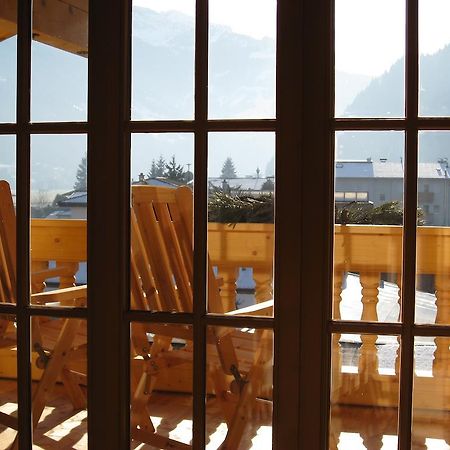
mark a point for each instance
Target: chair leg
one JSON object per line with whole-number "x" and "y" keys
{"x": 76, "y": 395}
{"x": 223, "y": 396}
{"x": 53, "y": 370}
{"x": 54, "y": 367}
{"x": 142, "y": 428}
{"x": 248, "y": 394}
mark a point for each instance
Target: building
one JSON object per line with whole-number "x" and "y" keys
{"x": 381, "y": 181}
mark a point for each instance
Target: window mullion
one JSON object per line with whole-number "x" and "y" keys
{"x": 200, "y": 222}
{"x": 24, "y": 24}
{"x": 410, "y": 223}
{"x": 108, "y": 231}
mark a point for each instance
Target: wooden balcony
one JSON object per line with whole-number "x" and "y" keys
{"x": 365, "y": 382}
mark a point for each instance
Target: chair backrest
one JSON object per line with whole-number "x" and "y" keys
{"x": 162, "y": 251}
{"x": 7, "y": 245}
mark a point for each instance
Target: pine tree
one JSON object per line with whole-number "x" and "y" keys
{"x": 153, "y": 173}
{"x": 160, "y": 167}
{"x": 228, "y": 169}
{"x": 81, "y": 183}
{"x": 174, "y": 171}
{"x": 268, "y": 185}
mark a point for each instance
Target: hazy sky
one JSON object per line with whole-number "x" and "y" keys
{"x": 237, "y": 14}
{"x": 369, "y": 33}
{"x": 370, "y": 37}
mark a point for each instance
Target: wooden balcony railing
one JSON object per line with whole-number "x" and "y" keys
{"x": 366, "y": 250}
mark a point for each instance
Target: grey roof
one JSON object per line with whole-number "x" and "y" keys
{"x": 76, "y": 198}
{"x": 244, "y": 184}
{"x": 380, "y": 169}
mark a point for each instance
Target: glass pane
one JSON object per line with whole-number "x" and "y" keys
{"x": 8, "y": 161}
{"x": 431, "y": 394}
{"x": 8, "y": 381}
{"x": 60, "y": 42}
{"x": 59, "y": 405}
{"x": 369, "y": 61}
{"x": 241, "y": 185}
{"x": 161, "y": 385}
{"x": 7, "y": 219}
{"x": 8, "y": 66}
{"x": 364, "y": 392}
{"x": 161, "y": 221}
{"x": 368, "y": 232}
{"x": 434, "y": 37}
{"x": 433, "y": 233}
{"x": 242, "y": 58}
{"x": 58, "y": 214}
{"x": 239, "y": 385}
{"x": 163, "y": 60}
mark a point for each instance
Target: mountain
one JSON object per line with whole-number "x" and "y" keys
{"x": 241, "y": 84}
{"x": 384, "y": 97}
{"x": 348, "y": 86}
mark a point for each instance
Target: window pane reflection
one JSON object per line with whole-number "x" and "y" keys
{"x": 59, "y": 61}
{"x": 8, "y": 65}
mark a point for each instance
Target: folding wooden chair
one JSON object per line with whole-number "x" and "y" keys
{"x": 239, "y": 362}
{"x": 59, "y": 343}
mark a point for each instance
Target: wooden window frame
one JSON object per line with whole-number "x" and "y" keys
{"x": 411, "y": 125}
{"x": 304, "y": 128}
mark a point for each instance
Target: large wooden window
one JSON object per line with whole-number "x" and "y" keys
{"x": 389, "y": 327}
{"x": 356, "y": 319}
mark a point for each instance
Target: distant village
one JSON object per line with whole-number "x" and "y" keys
{"x": 366, "y": 182}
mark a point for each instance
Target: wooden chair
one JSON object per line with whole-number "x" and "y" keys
{"x": 59, "y": 343}
{"x": 239, "y": 362}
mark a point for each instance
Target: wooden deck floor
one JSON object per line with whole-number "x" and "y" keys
{"x": 63, "y": 428}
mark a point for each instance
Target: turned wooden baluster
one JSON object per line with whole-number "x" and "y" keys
{"x": 368, "y": 359}
{"x": 441, "y": 363}
{"x": 336, "y": 356}
{"x": 68, "y": 279}
{"x": 418, "y": 442}
{"x": 372, "y": 441}
{"x": 228, "y": 277}
{"x": 397, "y": 353}
{"x": 333, "y": 442}
{"x": 38, "y": 266}
{"x": 263, "y": 280}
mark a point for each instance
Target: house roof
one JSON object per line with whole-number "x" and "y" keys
{"x": 387, "y": 169}
{"x": 75, "y": 198}
{"x": 244, "y": 184}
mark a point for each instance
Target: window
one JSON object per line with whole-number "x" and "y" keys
{"x": 403, "y": 118}
{"x": 254, "y": 118}
{"x": 351, "y": 196}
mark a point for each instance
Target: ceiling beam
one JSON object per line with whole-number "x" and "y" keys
{"x": 60, "y": 23}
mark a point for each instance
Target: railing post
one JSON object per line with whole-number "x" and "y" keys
{"x": 335, "y": 433}
{"x": 69, "y": 279}
{"x": 371, "y": 440}
{"x": 441, "y": 363}
{"x": 228, "y": 276}
{"x": 397, "y": 353}
{"x": 419, "y": 442}
{"x": 336, "y": 356}
{"x": 37, "y": 266}
{"x": 263, "y": 289}
{"x": 368, "y": 360}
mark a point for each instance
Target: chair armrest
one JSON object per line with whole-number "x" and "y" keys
{"x": 260, "y": 309}
{"x": 78, "y": 294}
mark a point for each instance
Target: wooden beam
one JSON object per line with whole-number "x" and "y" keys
{"x": 61, "y": 24}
